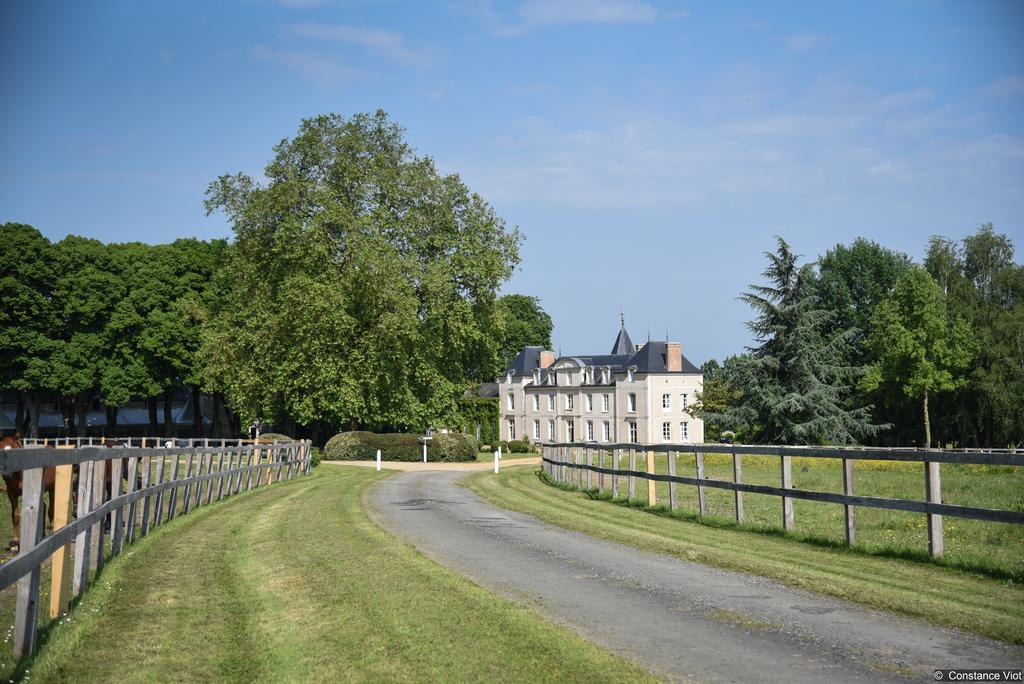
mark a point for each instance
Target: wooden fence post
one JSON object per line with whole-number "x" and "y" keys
{"x": 851, "y": 525}
{"x": 933, "y": 493}
{"x": 632, "y": 480}
{"x": 83, "y": 540}
{"x": 737, "y": 477}
{"x": 133, "y": 477}
{"x": 220, "y": 470}
{"x": 147, "y": 467}
{"x": 576, "y": 472}
{"x": 672, "y": 502}
{"x": 615, "y": 473}
{"x": 116, "y": 515}
{"x": 159, "y": 512}
{"x": 211, "y": 484}
{"x": 187, "y": 496}
{"x": 172, "y": 499}
{"x": 99, "y": 495}
{"x": 26, "y": 608}
{"x": 253, "y": 462}
{"x": 590, "y": 473}
{"x": 652, "y": 495}
{"x": 787, "y": 483}
{"x": 702, "y": 502}
{"x": 60, "y": 585}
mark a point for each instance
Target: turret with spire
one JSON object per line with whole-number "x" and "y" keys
{"x": 623, "y": 345}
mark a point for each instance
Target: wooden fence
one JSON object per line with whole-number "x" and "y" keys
{"x": 143, "y": 442}
{"x": 147, "y": 486}
{"x": 574, "y": 464}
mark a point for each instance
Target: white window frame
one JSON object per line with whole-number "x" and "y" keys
{"x": 682, "y": 401}
{"x": 536, "y": 402}
{"x": 511, "y": 429}
{"x": 666, "y": 431}
{"x": 632, "y": 432}
{"x": 605, "y": 401}
{"x": 590, "y": 431}
{"x": 551, "y": 431}
{"x": 684, "y": 429}
{"x": 569, "y": 402}
{"x": 511, "y": 402}
{"x": 631, "y": 402}
{"x": 590, "y": 402}
{"x": 570, "y": 430}
{"x": 606, "y": 432}
{"x": 536, "y": 430}
{"x": 551, "y": 402}
{"x": 666, "y": 402}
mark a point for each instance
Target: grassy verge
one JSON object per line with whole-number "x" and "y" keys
{"x": 488, "y": 457}
{"x": 985, "y": 604}
{"x": 296, "y": 583}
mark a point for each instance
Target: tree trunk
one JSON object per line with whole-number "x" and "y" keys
{"x": 168, "y": 418}
{"x": 198, "y": 426}
{"x": 33, "y": 414}
{"x": 19, "y": 413}
{"x": 215, "y": 418}
{"x": 151, "y": 405}
{"x": 927, "y": 423}
{"x": 82, "y": 411}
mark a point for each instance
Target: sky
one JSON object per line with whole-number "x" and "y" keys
{"x": 649, "y": 151}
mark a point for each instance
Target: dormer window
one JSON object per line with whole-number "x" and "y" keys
{"x": 606, "y": 375}
{"x": 631, "y": 374}
{"x": 536, "y": 376}
{"x": 508, "y": 378}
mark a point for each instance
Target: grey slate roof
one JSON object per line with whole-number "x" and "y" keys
{"x": 652, "y": 359}
{"x": 525, "y": 361}
{"x": 623, "y": 345}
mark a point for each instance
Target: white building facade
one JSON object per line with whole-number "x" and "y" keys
{"x": 635, "y": 394}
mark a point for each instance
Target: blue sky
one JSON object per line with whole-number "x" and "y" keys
{"x": 648, "y": 151}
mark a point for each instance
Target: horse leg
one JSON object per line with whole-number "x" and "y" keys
{"x": 14, "y": 495}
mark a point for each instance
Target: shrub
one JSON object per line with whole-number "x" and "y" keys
{"x": 314, "y": 457}
{"x": 271, "y": 437}
{"x": 519, "y": 447}
{"x": 398, "y": 446}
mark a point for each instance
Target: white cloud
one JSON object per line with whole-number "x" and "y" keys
{"x": 533, "y": 14}
{"x": 804, "y": 42}
{"x": 388, "y": 44}
{"x": 1007, "y": 86}
{"x": 560, "y": 12}
{"x": 324, "y": 71}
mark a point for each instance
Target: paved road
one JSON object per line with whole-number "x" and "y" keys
{"x": 683, "y": 620}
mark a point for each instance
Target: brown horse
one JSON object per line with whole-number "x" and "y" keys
{"x": 14, "y": 483}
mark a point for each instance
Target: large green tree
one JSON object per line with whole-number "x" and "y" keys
{"x": 29, "y": 315}
{"x": 921, "y": 351}
{"x": 360, "y": 288}
{"x": 795, "y": 384}
{"x": 523, "y": 323}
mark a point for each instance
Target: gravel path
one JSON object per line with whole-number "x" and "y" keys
{"x": 683, "y": 620}
{"x": 435, "y": 466}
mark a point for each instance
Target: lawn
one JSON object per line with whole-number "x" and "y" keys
{"x": 988, "y": 600}
{"x": 488, "y": 456}
{"x": 295, "y": 582}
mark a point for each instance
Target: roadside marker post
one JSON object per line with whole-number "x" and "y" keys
{"x": 378, "y": 460}
{"x": 497, "y": 457}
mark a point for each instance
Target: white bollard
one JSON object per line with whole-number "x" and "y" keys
{"x": 497, "y": 455}
{"x": 378, "y": 459}
{"x": 424, "y": 452}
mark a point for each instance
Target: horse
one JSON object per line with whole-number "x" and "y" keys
{"x": 14, "y": 484}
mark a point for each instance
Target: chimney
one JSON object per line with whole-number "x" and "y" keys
{"x": 674, "y": 356}
{"x": 547, "y": 358}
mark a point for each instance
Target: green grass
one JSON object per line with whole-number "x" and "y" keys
{"x": 488, "y": 457}
{"x": 294, "y": 582}
{"x": 987, "y": 602}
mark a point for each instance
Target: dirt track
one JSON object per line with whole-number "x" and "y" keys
{"x": 681, "y": 619}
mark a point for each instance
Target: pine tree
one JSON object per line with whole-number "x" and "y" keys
{"x": 795, "y": 384}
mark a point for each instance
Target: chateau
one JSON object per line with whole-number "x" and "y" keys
{"x": 634, "y": 394}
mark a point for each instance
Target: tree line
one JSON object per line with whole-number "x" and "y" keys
{"x": 359, "y": 291}
{"x": 867, "y": 346}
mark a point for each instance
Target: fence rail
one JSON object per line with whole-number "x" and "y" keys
{"x": 142, "y": 495}
{"x": 573, "y": 463}
{"x": 177, "y": 442}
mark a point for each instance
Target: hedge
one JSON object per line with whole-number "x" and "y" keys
{"x": 398, "y": 446}
{"x": 271, "y": 437}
